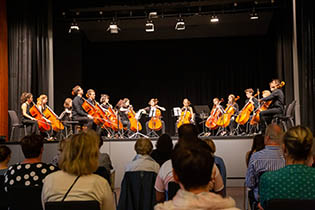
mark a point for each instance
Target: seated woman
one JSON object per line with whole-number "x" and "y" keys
{"x": 192, "y": 170}
{"x": 296, "y": 180}
{"x": 79, "y": 159}
{"x": 143, "y": 161}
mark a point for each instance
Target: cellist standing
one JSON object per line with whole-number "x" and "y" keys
{"x": 78, "y": 113}
{"x": 276, "y": 106}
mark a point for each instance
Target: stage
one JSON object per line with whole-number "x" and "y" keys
{"x": 231, "y": 148}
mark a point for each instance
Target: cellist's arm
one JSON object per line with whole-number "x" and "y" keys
{"x": 162, "y": 108}
{"x": 192, "y": 114}
{"x": 24, "y": 107}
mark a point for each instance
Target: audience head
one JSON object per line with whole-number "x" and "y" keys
{"x": 211, "y": 144}
{"x": 187, "y": 132}
{"x": 80, "y": 153}
{"x": 258, "y": 143}
{"x": 273, "y": 135}
{"x": 32, "y": 146}
{"x": 192, "y": 165}
{"x": 5, "y": 154}
{"x": 164, "y": 144}
{"x": 298, "y": 143}
{"x": 143, "y": 146}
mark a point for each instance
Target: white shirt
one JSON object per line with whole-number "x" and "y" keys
{"x": 143, "y": 163}
{"x": 88, "y": 187}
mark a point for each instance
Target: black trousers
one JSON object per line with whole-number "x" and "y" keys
{"x": 84, "y": 121}
{"x": 31, "y": 125}
{"x": 266, "y": 117}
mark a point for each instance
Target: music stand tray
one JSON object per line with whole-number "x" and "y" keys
{"x": 202, "y": 109}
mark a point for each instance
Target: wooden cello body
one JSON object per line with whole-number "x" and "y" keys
{"x": 184, "y": 118}
{"x": 215, "y": 114}
{"x": 43, "y": 125}
{"x": 135, "y": 125}
{"x": 244, "y": 114}
{"x": 55, "y": 122}
{"x": 256, "y": 117}
{"x": 115, "y": 123}
{"x": 225, "y": 119}
{"x": 155, "y": 122}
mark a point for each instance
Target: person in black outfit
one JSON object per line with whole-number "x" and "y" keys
{"x": 123, "y": 107}
{"x": 27, "y": 118}
{"x": 164, "y": 148}
{"x": 78, "y": 113}
{"x": 276, "y": 106}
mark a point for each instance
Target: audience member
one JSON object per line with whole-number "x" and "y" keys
{"x": 78, "y": 161}
{"x": 104, "y": 159}
{"x": 219, "y": 163}
{"x": 188, "y": 132}
{"x": 296, "y": 180}
{"x": 164, "y": 148}
{"x": 165, "y": 174}
{"x": 5, "y": 156}
{"x": 143, "y": 161}
{"x": 258, "y": 144}
{"x": 268, "y": 159}
{"x": 31, "y": 171}
{"x": 56, "y": 158}
{"x": 192, "y": 171}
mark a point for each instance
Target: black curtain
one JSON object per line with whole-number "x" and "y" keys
{"x": 306, "y": 59}
{"x": 282, "y": 25}
{"x": 170, "y": 70}
{"x": 28, "y": 49}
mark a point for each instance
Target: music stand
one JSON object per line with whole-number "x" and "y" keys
{"x": 138, "y": 134}
{"x": 203, "y": 111}
{"x": 152, "y": 133}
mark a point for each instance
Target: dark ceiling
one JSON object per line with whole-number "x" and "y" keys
{"x": 131, "y": 16}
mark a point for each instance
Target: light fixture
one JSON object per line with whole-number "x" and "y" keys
{"x": 113, "y": 28}
{"x": 149, "y": 26}
{"x": 180, "y": 25}
{"x": 214, "y": 19}
{"x": 253, "y": 15}
{"x": 74, "y": 27}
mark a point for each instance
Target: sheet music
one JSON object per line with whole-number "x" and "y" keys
{"x": 152, "y": 112}
{"x": 177, "y": 111}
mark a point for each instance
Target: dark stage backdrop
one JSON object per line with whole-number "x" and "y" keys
{"x": 170, "y": 70}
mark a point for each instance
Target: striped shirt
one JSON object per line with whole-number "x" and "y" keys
{"x": 268, "y": 159}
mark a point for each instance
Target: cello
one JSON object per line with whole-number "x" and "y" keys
{"x": 115, "y": 123}
{"x": 216, "y": 112}
{"x": 135, "y": 125}
{"x": 262, "y": 107}
{"x": 244, "y": 114}
{"x": 43, "y": 125}
{"x": 155, "y": 122}
{"x": 184, "y": 118}
{"x": 55, "y": 122}
{"x": 225, "y": 119}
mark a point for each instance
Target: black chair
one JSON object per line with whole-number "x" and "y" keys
{"x": 289, "y": 204}
{"x": 72, "y": 205}
{"x": 15, "y": 123}
{"x": 173, "y": 187}
{"x": 137, "y": 191}
{"x": 25, "y": 198}
{"x": 286, "y": 119}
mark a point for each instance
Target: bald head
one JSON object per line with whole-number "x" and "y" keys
{"x": 273, "y": 134}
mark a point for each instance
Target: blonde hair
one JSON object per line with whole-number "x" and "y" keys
{"x": 67, "y": 102}
{"x": 274, "y": 132}
{"x": 40, "y": 99}
{"x": 80, "y": 153}
{"x": 298, "y": 142}
{"x": 143, "y": 146}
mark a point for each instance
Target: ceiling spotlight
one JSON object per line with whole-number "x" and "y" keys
{"x": 180, "y": 25}
{"x": 253, "y": 15}
{"x": 113, "y": 28}
{"x": 74, "y": 27}
{"x": 149, "y": 26}
{"x": 214, "y": 19}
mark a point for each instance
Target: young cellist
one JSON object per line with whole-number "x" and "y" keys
{"x": 123, "y": 107}
{"x": 27, "y": 118}
{"x": 216, "y": 111}
{"x": 187, "y": 114}
{"x": 276, "y": 106}
{"x": 90, "y": 94}
{"x": 153, "y": 105}
{"x": 78, "y": 113}
{"x": 42, "y": 105}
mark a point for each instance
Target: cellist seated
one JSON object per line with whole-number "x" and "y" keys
{"x": 187, "y": 115}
